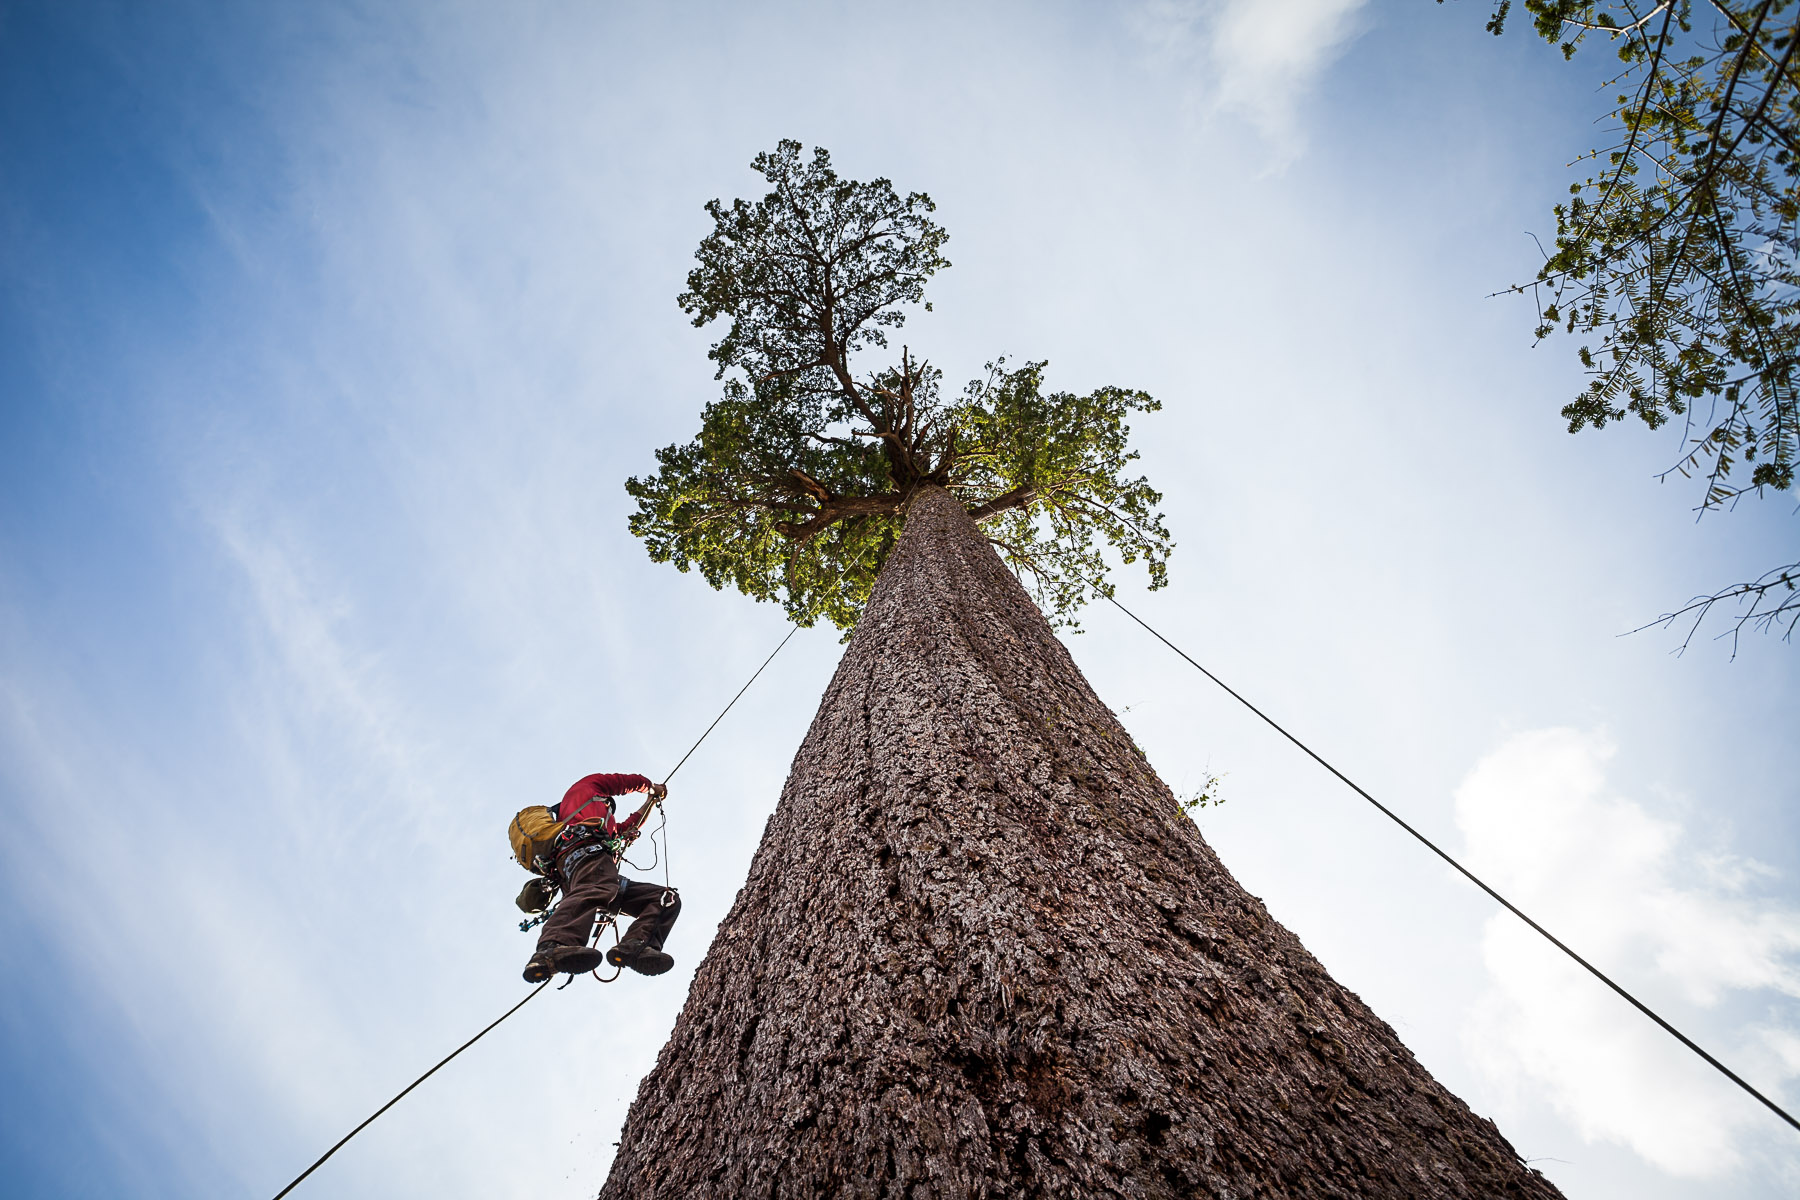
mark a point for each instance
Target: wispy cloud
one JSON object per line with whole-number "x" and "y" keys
{"x": 302, "y": 623}
{"x": 1686, "y": 927}
{"x": 1255, "y": 59}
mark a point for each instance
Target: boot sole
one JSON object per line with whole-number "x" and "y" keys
{"x": 644, "y": 962}
{"x": 579, "y": 961}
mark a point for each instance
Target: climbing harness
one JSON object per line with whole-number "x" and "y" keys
{"x": 1464, "y": 871}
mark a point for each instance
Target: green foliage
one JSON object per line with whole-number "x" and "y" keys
{"x": 796, "y": 487}
{"x": 810, "y": 274}
{"x": 730, "y": 502}
{"x": 1680, "y": 257}
{"x": 1208, "y": 795}
{"x": 1066, "y": 453}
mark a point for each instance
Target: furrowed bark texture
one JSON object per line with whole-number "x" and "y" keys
{"x": 981, "y": 953}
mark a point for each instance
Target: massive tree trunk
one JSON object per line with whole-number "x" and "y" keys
{"x": 982, "y": 953}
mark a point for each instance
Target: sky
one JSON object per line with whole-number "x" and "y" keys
{"x": 329, "y": 333}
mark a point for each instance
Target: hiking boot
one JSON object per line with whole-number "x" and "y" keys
{"x": 572, "y": 960}
{"x": 577, "y": 960}
{"x": 640, "y": 958}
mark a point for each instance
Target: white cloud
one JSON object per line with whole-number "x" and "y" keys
{"x": 1253, "y": 58}
{"x": 1680, "y": 927}
{"x": 303, "y": 627}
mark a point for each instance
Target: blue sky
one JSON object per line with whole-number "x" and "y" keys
{"x": 328, "y": 334}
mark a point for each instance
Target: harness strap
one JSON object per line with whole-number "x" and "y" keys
{"x": 581, "y": 853}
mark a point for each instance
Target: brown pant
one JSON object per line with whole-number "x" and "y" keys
{"x": 595, "y": 887}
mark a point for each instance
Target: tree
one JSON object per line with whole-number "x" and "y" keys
{"x": 981, "y": 952}
{"x": 795, "y": 486}
{"x": 1681, "y": 255}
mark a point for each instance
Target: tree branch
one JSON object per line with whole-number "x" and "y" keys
{"x": 838, "y": 508}
{"x": 1017, "y": 497}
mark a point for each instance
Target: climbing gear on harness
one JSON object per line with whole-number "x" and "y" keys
{"x": 536, "y": 895}
{"x": 639, "y": 957}
{"x": 532, "y": 832}
{"x": 581, "y": 832}
{"x": 566, "y": 865}
{"x": 557, "y": 863}
{"x": 580, "y": 842}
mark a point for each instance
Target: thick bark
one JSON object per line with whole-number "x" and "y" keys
{"x": 981, "y": 953}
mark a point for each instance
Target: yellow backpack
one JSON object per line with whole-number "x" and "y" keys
{"x": 531, "y": 833}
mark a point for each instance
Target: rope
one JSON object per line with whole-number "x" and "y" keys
{"x": 662, "y": 828}
{"x": 607, "y": 920}
{"x": 409, "y": 1087}
{"x": 1468, "y": 874}
{"x": 727, "y": 708}
{"x": 662, "y": 851}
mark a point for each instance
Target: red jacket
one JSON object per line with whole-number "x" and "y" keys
{"x": 591, "y": 800}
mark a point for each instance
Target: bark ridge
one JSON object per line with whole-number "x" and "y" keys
{"x": 981, "y": 953}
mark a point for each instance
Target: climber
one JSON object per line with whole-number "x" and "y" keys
{"x": 577, "y": 848}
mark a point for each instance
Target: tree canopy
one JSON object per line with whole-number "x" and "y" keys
{"x": 1680, "y": 256}
{"x": 796, "y": 486}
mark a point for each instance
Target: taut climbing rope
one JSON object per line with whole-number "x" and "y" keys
{"x": 409, "y": 1087}
{"x": 728, "y": 706}
{"x": 662, "y": 827}
{"x": 1510, "y": 907}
